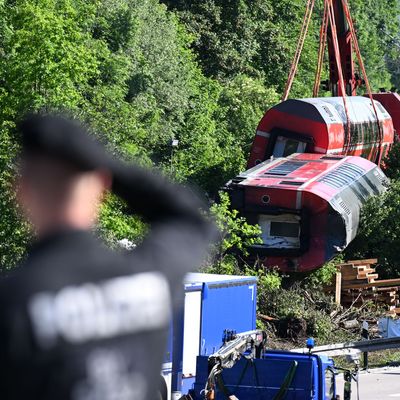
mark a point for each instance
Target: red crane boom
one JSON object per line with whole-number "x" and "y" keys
{"x": 351, "y": 81}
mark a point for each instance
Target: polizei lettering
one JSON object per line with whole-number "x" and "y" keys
{"x": 92, "y": 311}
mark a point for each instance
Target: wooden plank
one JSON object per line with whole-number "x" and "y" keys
{"x": 355, "y": 282}
{"x": 364, "y": 298}
{"x": 363, "y": 262}
{"x": 347, "y": 269}
{"x": 376, "y": 284}
{"x": 388, "y": 289}
{"x": 349, "y": 274}
{"x": 267, "y": 317}
{"x": 338, "y": 289}
{"x": 367, "y": 271}
{"x": 345, "y": 265}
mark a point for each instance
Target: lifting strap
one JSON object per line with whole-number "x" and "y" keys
{"x": 257, "y": 380}
{"x": 361, "y": 64}
{"x": 331, "y": 14}
{"x": 329, "y": 20}
{"x": 287, "y": 382}
{"x": 299, "y": 49}
{"x": 321, "y": 51}
{"x": 221, "y": 386}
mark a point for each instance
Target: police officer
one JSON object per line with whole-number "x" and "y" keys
{"x": 77, "y": 320}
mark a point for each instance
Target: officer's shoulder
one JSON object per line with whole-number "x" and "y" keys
{"x": 10, "y": 289}
{"x": 61, "y": 263}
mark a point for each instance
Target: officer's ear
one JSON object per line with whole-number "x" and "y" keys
{"x": 104, "y": 177}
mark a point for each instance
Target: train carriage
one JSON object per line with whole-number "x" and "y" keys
{"x": 307, "y": 205}
{"x": 319, "y": 125}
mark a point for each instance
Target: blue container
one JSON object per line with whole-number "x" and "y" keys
{"x": 213, "y": 303}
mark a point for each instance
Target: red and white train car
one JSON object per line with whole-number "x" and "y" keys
{"x": 308, "y": 205}
{"x": 319, "y": 125}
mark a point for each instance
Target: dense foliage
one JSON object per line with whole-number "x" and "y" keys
{"x": 379, "y": 235}
{"x": 144, "y": 72}
{"x": 127, "y": 69}
{"x": 258, "y": 38}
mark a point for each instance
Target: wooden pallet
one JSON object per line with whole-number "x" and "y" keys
{"x": 356, "y": 281}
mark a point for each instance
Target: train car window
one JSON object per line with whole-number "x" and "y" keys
{"x": 291, "y": 183}
{"x": 342, "y": 176}
{"x": 287, "y": 229}
{"x": 285, "y": 168}
{"x": 280, "y": 231}
{"x": 285, "y": 146}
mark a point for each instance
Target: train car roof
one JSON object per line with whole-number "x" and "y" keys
{"x": 291, "y": 171}
{"x": 325, "y": 175}
{"x": 330, "y": 110}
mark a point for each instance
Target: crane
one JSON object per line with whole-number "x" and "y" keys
{"x": 324, "y": 130}
{"x": 237, "y": 345}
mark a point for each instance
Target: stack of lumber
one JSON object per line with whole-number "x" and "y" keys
{"x": 357, "y": 282}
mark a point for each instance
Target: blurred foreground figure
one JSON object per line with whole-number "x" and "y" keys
{"x": 77, "y": 320}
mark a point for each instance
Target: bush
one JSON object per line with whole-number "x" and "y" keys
{"x": 323, "y": 276}
{"x": 300, "y": 306}
{"x": 391, "y": 164}
{"x": 379, "y": 232}
{"x": 236, "y": 235}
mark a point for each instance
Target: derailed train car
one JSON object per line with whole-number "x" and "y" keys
{"x": 319, "y": 125}
{"x": 307, "y": 205}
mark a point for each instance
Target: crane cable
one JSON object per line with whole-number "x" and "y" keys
{"x": 330, "y": 17}
{"x": 362, "y": 66}
{"x": 299, "y": 49}
{"x": 331, "y": 14}
{"x": 321, "y": 51}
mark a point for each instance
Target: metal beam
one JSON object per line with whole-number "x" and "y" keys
{"x": 342, "y": 349}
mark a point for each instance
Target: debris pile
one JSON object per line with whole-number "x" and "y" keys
{"x": 356, "y": 282}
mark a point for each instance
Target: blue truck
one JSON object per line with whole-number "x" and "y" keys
{"x": 276, "y": 375}
{"x": 217, "y": 327}
{"x": 212, "y": 304}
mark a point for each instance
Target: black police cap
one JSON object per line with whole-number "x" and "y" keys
{"x": 62, "y": 139}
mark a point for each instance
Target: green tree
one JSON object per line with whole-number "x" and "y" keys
{"x": 258, "y": 38}
{"x": 116, "y": 223}
{"x": 379, "y": 233}
{"x": 243, "y": 102}
{"x": 142, "y": 74}
{"x": 236, "y": 235}
{"x": 254, "y": 38}
{"x": 165, "y": 96}
{"x": 13, "y": 232}
{"x": 46, "y": 61}
{"x": 391, "y": 164}
{"x": 377, "y": 23}
{"x": 126, "y": 68}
